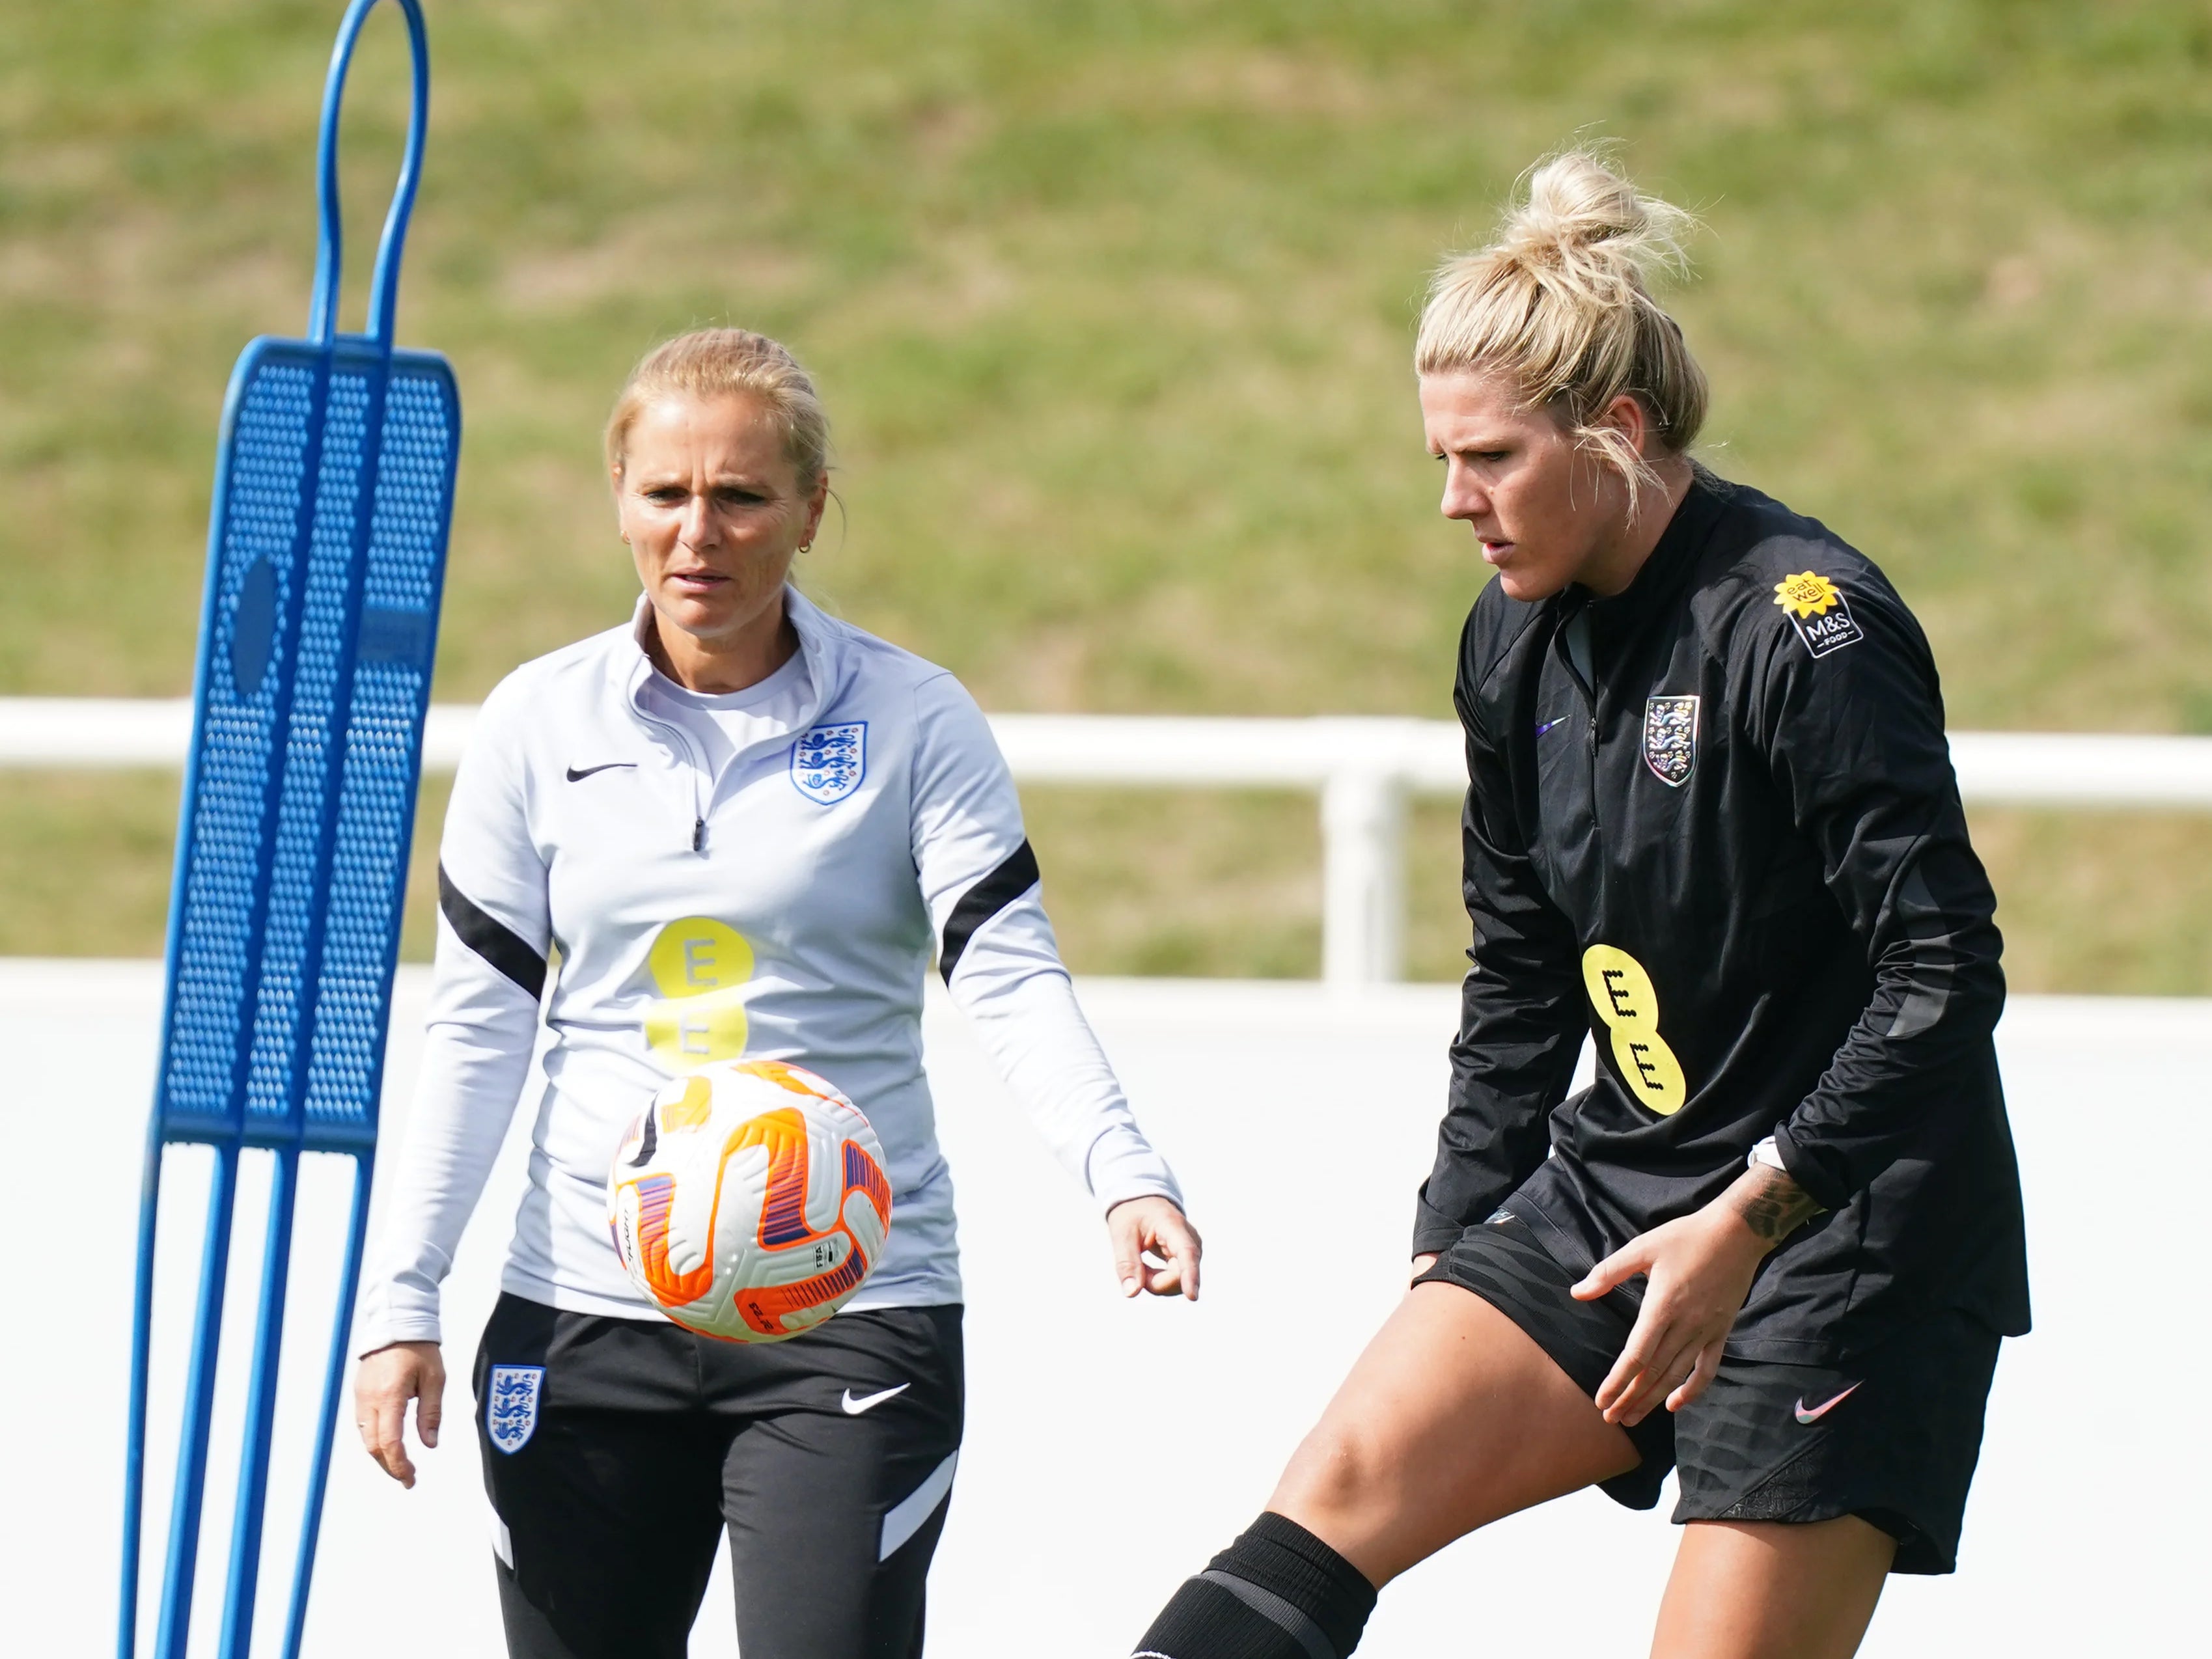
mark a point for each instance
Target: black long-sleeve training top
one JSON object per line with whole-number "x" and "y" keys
{"x": 1713, "y": 821}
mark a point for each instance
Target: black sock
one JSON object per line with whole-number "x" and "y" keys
{"x": 1277, "y": 1592}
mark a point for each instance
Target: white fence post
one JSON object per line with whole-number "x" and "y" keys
{"x": 1363, "y": 832}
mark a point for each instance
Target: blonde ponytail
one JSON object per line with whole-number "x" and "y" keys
{"x": 1560, "y": 303}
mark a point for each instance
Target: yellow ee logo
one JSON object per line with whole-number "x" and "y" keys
{"x": 1622, "y": 993}
{"x": 700, "y": 966}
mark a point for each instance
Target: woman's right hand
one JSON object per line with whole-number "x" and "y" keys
{"x": 386, "y": 1380}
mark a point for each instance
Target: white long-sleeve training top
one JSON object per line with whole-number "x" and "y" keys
{"x": 764, "y": 875}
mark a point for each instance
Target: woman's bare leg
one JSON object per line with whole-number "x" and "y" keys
{"x": 1772, "y": 1589}
{"x": 1451, "y": 1419}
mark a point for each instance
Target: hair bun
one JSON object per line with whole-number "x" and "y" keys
{"x": 1580, "y": 213}
{"x": 1560, "y": 301}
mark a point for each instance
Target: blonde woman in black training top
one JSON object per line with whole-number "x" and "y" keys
{"x": 1712, "y": 826}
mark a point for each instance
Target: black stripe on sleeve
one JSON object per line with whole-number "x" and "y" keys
{"x": 983, "y": 901}
{"x": 491, "y": 940}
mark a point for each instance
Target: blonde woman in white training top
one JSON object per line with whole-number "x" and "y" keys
{"x": 746, "y": 827}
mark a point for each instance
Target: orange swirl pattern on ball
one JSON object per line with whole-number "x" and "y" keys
{"x": 783, "y": 1215}
{"x": 656, "y": 1196}
{"x": 783, "y": 1225}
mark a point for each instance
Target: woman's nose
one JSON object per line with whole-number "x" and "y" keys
{"x": 1463, "y": 497}
{"x": 699, "y": 522}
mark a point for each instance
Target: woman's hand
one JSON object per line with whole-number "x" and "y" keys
{"x": 1154, "y": 1227}
{"x": 386, "y": 1380}
{"x": 1698, "y": 1269}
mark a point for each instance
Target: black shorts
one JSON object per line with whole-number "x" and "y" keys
{"x": 616, "y": 1451}
{"x": 1890, "y": 1436}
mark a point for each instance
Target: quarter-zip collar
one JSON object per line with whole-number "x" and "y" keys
{"x": 1613, "y": 621}
{"x": 821, "y": 643}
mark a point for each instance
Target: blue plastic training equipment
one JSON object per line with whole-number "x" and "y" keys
{"x": 326, "y": 553}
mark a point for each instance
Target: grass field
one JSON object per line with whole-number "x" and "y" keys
{"x": 1111, "y": 303}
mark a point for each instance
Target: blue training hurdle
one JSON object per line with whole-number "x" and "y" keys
{"x": 326, "y": 552}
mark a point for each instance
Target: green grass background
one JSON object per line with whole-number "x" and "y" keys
{"x": 1111, "y": 303}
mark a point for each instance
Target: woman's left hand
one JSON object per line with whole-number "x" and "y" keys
{"x": 1697, "y": 1270}
{"x": 1149, "y": 1231}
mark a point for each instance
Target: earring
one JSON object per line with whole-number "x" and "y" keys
{"x": 806, "y": 547}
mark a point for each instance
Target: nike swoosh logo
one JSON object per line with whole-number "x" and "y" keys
{"x": 1820, "y": 1411}
{"x": 854, "y": 1407}
{"x": 1548, "y": 725}
{"x": 575, "y": 777}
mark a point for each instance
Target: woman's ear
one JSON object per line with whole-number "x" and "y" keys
{"x": 1628, "y": 415}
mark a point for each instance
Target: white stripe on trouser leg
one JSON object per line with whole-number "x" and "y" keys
{"x": 907, "y": 1516}
{"x": 502, "y": 1542}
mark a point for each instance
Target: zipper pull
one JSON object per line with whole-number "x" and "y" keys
{"x": 698, "y": 834}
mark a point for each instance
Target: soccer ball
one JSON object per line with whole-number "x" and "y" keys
{"x": 749, "y": 1201}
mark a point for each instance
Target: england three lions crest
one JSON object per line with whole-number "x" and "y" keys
{"x": 511, "y": 1397}
{"x": 828, "y": 763}
{"x": 1670, "y": 738}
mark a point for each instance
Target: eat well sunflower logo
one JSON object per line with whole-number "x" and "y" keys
{"x": 1807, "y": 593}
{"x": 1818, "y": 611}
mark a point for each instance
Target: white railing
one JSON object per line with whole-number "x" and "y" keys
{"x": 1364, "y": 770}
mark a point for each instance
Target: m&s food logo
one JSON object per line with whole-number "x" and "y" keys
{"x": 1818, "y": 611}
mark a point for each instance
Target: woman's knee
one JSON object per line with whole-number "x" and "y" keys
{"x": 1341, "y": 1468}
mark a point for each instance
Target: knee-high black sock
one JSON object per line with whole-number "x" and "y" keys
{"x": 1277, "y": 1592}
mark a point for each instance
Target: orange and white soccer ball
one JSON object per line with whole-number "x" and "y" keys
{"x": 749, "y": 1201}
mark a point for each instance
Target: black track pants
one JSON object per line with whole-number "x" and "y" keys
{"x": 616, "y": 1451}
